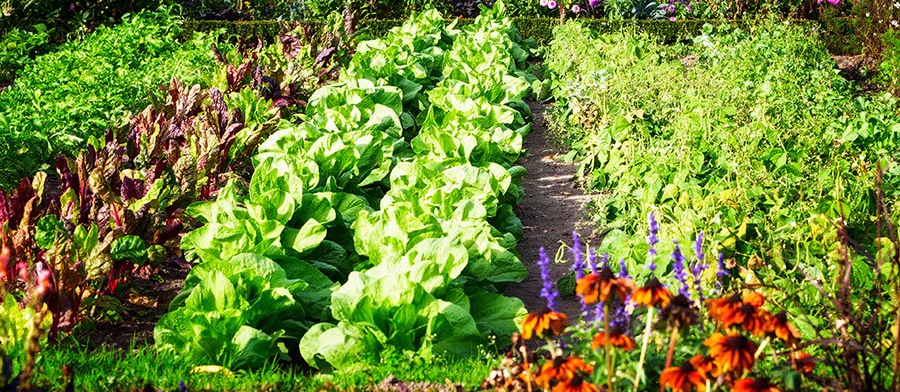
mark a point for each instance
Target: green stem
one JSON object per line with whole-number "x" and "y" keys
{"x": 646, "y": 339}
{"x": 609, "y": 370}
{"x": 762, "y": 347}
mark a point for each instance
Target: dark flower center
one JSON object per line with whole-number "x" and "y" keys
{"x": 606, "y": 274}
{"x": 576, "y": 381}
{"x": 559, "y": 361}
{"x": 760, "y": 384}
{"x": 738, "y": 343}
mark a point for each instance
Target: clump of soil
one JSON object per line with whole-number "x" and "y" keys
{"x": 394, "y": 384}
{"x": 147, "y": 301}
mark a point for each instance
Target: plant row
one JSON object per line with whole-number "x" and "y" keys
{"x": 384, "y": 220}
{"x": 65, "y": 98}
{"x": 750, "y": 136}
{"x": 117, "y": 210}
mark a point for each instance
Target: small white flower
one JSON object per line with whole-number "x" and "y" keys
{"x": 897, "y": 4}
{"x": 894, "y": 23}
{"x": 867, "y": 14}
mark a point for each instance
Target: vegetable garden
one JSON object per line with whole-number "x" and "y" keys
{"x": 345, "y": 206}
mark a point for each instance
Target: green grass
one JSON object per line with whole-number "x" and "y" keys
{"x": 119, "y": 370}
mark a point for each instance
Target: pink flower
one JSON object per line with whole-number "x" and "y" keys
{"x": 576, "y": 9}
{"x": 672, "y": 19}
{"x": 551, "y": 4}
{"x": 544, "y": 3}
{"x": 593, "y": 3}
{"x": 834, "y": 2}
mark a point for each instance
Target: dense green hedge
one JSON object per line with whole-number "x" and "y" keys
{"x": 839, "y": 34}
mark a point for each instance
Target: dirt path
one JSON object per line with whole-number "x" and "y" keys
{"x": 553, "y": 206}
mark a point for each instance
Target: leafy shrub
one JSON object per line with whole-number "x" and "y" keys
{"x": 67, "y": 97}
{"x": 68, "y": 17}
{"x": 889, "y": 69}
{"x": 19, "y": 47}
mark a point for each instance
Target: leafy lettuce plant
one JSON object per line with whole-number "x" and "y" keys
{"x": 413, "y": 303}
{"x": 233, "y": 312}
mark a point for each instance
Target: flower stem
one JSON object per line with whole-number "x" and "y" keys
{"x": 646, "y": 339}
{"x": 609, "y": 370}
{"x": 762, "y": 346}
{"x": 673, "y": 338}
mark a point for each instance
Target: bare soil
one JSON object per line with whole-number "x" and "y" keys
{"x": 552, "y": 208}
{"x": 145, "y": 303}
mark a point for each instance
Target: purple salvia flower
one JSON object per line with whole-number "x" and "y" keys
{"x": 592, "y": 260}
{"x": 620, "y": 315}
{"x": 578, "y": 266}
{"x": 548, "y": 292}
{"x": 722, "y": 272}
{"x": 652, "y": 240}
{"x": 680, "y": 272}
{"x": 699, "y": 266}
{"x": 698, "y": 247}
{"x": 577, "y": 256}
{"x": 604, "y": 260}
{"x": 623, "y": 269}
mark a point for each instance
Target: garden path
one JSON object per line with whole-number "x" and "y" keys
{"x": 553, "y": 206}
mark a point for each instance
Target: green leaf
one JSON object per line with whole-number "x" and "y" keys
{"x": 129, "y": 247}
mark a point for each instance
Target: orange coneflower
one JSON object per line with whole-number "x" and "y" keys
{"x": 751, "y": 318}
{"x": 683, "y": 378}
{"x": 652, "y": 294}
{"x": 754, "y": 385}
{"x": 779, "y": 326}
{"x": 603, "y": 286}
{"x": 802, "y": 362}
{"x": 538, "y": 323}
{"x": 725, "y": 305}
{"x": 562, "y": 369}
{"x": 755, "y": 299}
{"x": 705, "y": 365}
{"x": 575, "y": 384}
{"x": 616, "y": 338}
{"x": 679, "y": 312}
{"x": 733, "y": 352}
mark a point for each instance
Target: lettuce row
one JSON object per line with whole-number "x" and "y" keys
{"x": 299, "y": 255}
{"x": 270, "y": 252}
{"x": 442, "y": 245}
